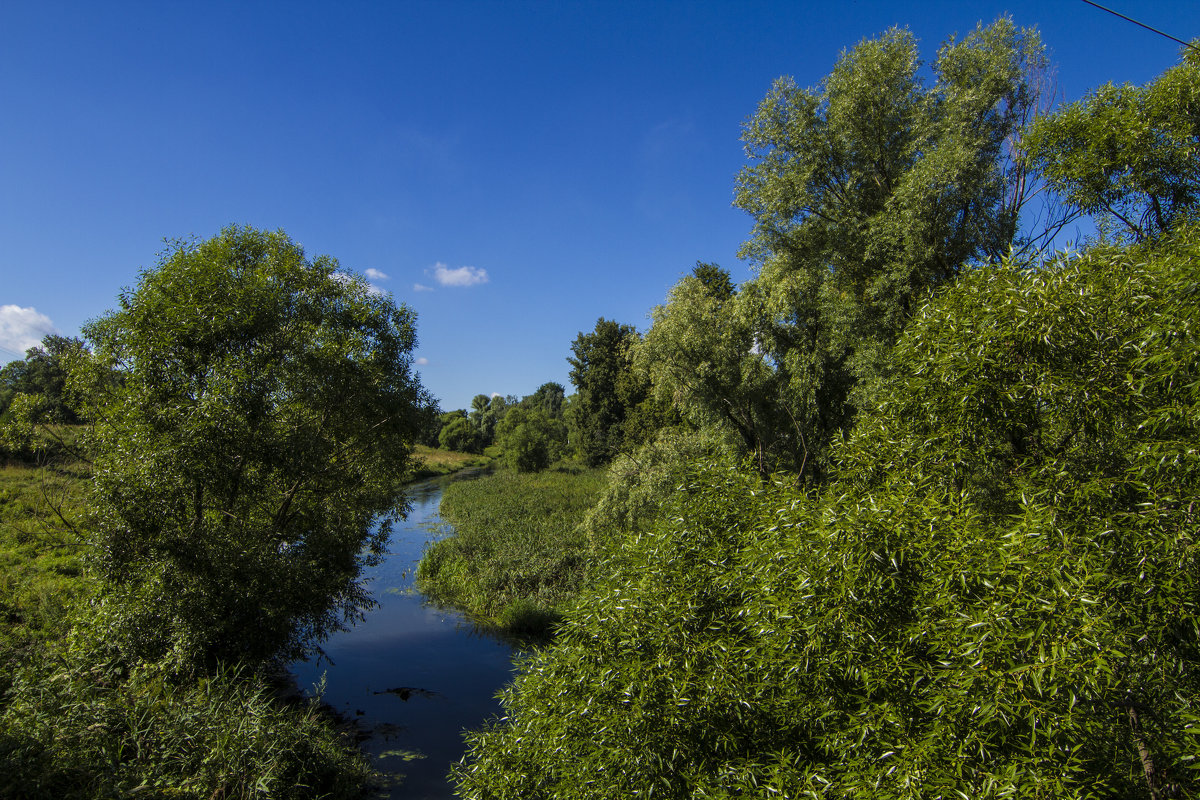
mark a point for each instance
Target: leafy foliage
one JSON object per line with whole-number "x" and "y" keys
{"x": 610, "y": 412}
{"x": 261, "y": 430}
{"x": 459, "y": 434}
{"x": 701, "y": 356}
{"x": 533, "y": 433}
{"x": 866, "y": 192}
{"x": 531, "y": 439}
{"x": 640, "y": 484}
{"x": 996, "y": 597}
{"x": 1126, "y": 153}
{"x": 43, "y": 374}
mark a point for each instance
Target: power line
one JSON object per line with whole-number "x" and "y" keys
{"x": 1143, "y": 25}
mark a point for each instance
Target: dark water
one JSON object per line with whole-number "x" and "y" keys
{"x": 450, "y": 670}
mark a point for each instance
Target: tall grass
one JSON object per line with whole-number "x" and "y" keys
{"x": 41, "y": 556}
{"x": 516, "y": 553}
{"x": 85, "y": 729}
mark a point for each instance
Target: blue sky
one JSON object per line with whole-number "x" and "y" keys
{"x": 579, "y": 156}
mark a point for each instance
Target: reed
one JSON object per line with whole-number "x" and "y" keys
{"x": 516, "y": 554}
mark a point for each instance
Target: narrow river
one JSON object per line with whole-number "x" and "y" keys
{"x": 413, "y": 674}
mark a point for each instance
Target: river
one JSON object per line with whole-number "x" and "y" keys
{"x": 443, "y": 670}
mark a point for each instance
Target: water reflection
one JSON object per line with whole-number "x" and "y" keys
{"x": 405, "y": 643}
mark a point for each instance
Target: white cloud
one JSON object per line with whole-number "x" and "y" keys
{"x": 422, "y": 361}
{"x": 376, "y": 275}
{"x": 22, "y": 328}
{"x": 420, "y": 287}
{"x": 460, "y": 276}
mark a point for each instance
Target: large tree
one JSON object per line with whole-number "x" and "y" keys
{"x": 608, "y": 389}
{"x": 867, "y": 191}
{"x": 250, "y": 461}
{"x": 701, "y": 356}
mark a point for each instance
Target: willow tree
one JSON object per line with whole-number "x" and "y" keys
{"x": 995, "y": 597}
{"x": 867, "y": 191}
{"x": 1127, "y": 154}
{"x": 250, "y": 460}
{"x": 700, "y": 356}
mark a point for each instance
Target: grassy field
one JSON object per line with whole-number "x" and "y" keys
{"x": 41, "y": 557}
{"x": 516, "y": 555}
{"x": 434, "y": 462}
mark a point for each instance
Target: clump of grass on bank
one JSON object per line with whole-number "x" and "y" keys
{"x": 433, "y": 462}
{"x": 516, "y": 554}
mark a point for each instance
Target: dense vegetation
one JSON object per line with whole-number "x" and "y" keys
{"x": 997, "y": 595}
{"x": 911, "y": 513}
{"x": 251, "y": 415}
{"x": 517, "y": 551}
{"x": 928, "y": 528}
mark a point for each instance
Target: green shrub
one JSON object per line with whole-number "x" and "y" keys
{"x": 641, "y": 484}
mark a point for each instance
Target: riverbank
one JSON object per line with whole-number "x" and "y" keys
{"x": 433, "y": 463}
{"x": 77, "y": 723}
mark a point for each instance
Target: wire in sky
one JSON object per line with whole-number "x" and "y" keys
{"x": 1144, "y": 25}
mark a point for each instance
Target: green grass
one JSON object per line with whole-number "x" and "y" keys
{"x": 88, "y": 728}
{"x": 41, "y": 555}
{"x": 516, "y": 554}
{"x": 433, "y": 462}
{"x": 76, "y": 722}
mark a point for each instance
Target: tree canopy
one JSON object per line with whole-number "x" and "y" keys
{"x": 43, "y": 374}
{"x": 868, "y": 191}
{"x": 1127, "y": 154}
{"x": 250, "y": 461}
{"x": 609, "y": 391}
{"x": 701, "y": 356}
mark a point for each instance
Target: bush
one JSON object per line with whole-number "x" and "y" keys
{"x": 641, "y": 484}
